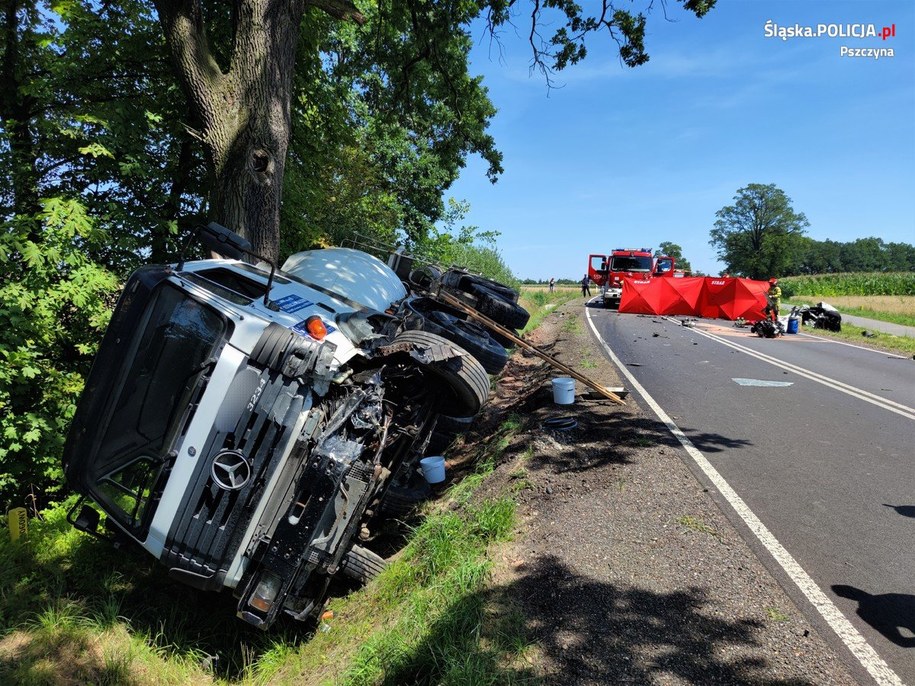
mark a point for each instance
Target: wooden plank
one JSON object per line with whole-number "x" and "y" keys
{"x": 521, "y": 343}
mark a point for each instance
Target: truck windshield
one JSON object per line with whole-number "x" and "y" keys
{"x": 163, "y": 366}
{"x": 630, "y": 264}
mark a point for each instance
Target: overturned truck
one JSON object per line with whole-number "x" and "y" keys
{"x": 252, "y": 427}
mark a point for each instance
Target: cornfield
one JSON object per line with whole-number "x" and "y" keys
{"x": 857, "y": 283}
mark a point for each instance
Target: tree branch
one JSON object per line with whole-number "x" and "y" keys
{"x": 182, "y": 23}
{"x": 338, "y": 9}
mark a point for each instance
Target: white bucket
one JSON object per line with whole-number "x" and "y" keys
{"x": 563, "y": 390}
{"x": 433, "y": 469}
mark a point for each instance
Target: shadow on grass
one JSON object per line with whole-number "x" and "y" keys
{"x": 589, "y": 632}
{"x": 52, "y": 606}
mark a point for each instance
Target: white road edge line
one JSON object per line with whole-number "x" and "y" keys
{"x": 861, "y": 394}
{"x": 854, "y": 641}
{"x": 852, "y": 345}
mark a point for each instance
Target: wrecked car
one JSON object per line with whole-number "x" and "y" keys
{"x": 244, "y": 425}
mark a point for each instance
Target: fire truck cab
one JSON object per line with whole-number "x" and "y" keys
{"x": 608, "y": 271}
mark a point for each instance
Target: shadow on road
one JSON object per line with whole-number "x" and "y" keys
{"x": 601, "y": 438}
{"x": 590, "y": 632}
{"x": 892, "y": 614}
{"x": 904, "y": 510}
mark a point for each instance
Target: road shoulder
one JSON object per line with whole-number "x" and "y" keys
{"x": 623, "y": 567}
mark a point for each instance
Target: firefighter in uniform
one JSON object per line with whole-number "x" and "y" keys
{"x": 774, "y": 296}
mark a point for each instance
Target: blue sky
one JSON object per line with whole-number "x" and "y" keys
{"x": 622, "y": 157}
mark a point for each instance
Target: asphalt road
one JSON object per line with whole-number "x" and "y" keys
{"x": 817, "y": 438}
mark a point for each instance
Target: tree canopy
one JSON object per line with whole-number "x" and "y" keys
{"x": 124, "y": 124}
{"x": 759, "y": 235}
{"x": 237, "y": 69}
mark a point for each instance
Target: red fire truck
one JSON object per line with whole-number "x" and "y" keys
{"x": 607, "y": 271}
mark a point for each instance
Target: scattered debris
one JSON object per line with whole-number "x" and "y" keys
{"x": 560, "y": 423}
{"x": 868, "y": 334}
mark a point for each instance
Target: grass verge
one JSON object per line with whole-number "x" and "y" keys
{"x": 539, "y": 302}
{"x": 76, "y": 611}
{"x": 896, "y": 309}
{"x": 900, "y": 345}
{"x": 429, "y": 617}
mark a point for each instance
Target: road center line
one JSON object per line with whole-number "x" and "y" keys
{"x": 854, "y": 641}
{"x": 861, "y": 394}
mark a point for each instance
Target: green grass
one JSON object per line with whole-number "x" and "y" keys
{"x": 892, "y": 318}
{"x": 855, "y": 334}
{"x": 776, "y": 615}
{"x": 539, "y": 302}
{"x": 75, "y": 610}
{"x": 859, "y": 283}
{"x": 697, "y": 525}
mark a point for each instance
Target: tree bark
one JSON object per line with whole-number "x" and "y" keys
{"x": 245, "y": 111}
{"x": 16, "y": 111}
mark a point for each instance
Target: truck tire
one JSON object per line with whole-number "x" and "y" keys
{"x": 470, "y": 283}
{"x": 509, "y": 314}
{"x": 471, "y": 336}
{"x": 463, "y": 376}
{"x": 426, "y": 314}
{"x": 400, "y": 501}
{"x": 447, "y": 428}
{"x": 362, "y": 565}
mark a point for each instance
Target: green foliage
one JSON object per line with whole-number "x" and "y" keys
{"x": 873, "y": 283}
{"x": 53, "y": 308}
{"x": 861, "y": 255}
{"x": 758, "y": 235}
{"x": 464, "y": 246}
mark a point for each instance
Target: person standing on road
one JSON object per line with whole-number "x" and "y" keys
{"x": 585, "y": 287}
{"x": 774, "y": 296}
{"x": 552, "y": 284}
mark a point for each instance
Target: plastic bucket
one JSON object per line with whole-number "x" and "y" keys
{"x": 433, "y": 469}
{"x": 792, "y": 324}
{"x": 563, "y": 390}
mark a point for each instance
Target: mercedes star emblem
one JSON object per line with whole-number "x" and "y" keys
{"x": 231, "y": 470}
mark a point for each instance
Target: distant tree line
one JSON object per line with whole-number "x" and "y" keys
{"x": 761, "y": 236}
{"x": 861, "y": 255}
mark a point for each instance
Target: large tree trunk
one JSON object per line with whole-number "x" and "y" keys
{"x": 16, "y": 112}
{"x": 244, "y": 112}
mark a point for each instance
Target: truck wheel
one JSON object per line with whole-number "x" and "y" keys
{"x": 400, "y": 501}
{"x": 447, "y": 428}
{"x": 362, "y": 565}
{"x": 470, "y": 336}
{"x": 424, "y": 314}
{"x": 469, "y": 283}
{"x": 509, "y": 314}
{"x": 463, "y": 376}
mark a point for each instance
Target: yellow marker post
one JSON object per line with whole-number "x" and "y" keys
{"x": 19, "y": 523}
